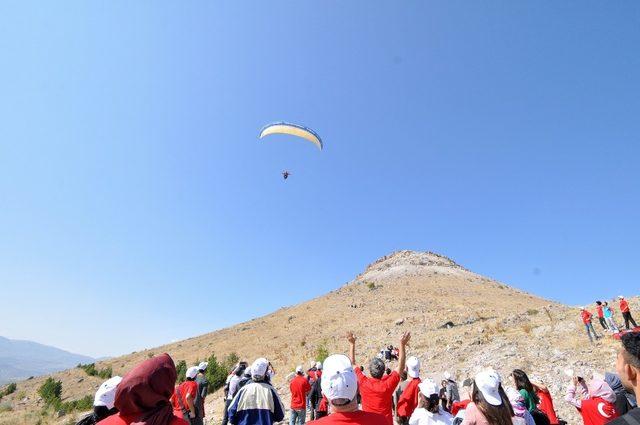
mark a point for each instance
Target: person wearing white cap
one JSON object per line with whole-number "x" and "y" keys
{"x": 429, "y": 411}
{"x": 340, "y": 386}
{"x": 408, "y": 400}
{"x": 185, "y": 395}
{"x": 239, "y": 377}
{"x": 299, "y": 388}
{"x": 203, "y": 389}
{"x": 257, "y": 403}
{"x": 626, "y": 313}
{"x": 490, "y": 405}
{"x": 103, "y": 402}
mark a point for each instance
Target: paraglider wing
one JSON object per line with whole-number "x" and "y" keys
{"x": 293, "y": 130}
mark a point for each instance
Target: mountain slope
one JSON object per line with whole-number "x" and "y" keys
{"x": 22, "y": 359}
{"x": 494, "y": 325}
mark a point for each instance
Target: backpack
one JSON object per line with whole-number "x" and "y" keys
{"x": 88, "y": 420}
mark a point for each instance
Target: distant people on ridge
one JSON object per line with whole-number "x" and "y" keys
{"x": 626, "y": 313}
{"x": 586, "y": 319}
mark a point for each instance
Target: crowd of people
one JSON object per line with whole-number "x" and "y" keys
{"x": 339, "y": 392}
{"x": 605, "y": 314}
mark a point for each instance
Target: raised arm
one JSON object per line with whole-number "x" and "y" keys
{"x": 402, "y": 351}
{"x": 352, "y": 347}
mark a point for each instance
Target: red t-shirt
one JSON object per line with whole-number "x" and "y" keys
{"x": 586, "y": 316}
{"x": 377, "y": 393}
{"x": 299, "y": 389}
{"x": 624, "y": 306}
{"x": 324, "y": 404}
{"x": 187, "y": 387}
{"x": 126, "y": 420}
{"x": 408, "y": 400}
{"x": 358, "y": 417}
{"x": 596, "y": 411}
{"x": 457, "y": 406}
{"x": 546, "y": 405}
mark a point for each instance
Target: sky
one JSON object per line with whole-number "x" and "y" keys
{"x": 139, "y": 206}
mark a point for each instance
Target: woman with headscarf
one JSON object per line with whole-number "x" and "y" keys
{"x": 519, "y": 408}
{"x": 595, "y": 401}
{"x": 143, "y": 395}
{"x": 623, "y": 404}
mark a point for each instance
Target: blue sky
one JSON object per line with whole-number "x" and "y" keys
{"x": 139, "y": 207}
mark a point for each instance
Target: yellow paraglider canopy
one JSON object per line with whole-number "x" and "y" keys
{"x": 293, "y": 130}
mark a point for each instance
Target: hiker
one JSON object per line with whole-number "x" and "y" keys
{"x": 312, "y": 377}
{"x": 626, "y": 313}
{"x": 519, "y": 407}
{"x": 608, "y": 317}
{"x": 545, "y": 401}
{"x": 622, "y": 401}
{"x": 458, "y": 407}
{"x": 628, "y": 370}
{"x": 203, "y": 389}
{"x": 408, "y": 400}
{"x": 185, "y": 395}
{"x": 429, "y": 411}
{"x": 404, "y": 381}
{"x": 451, "y": 390}
{"x": 442, "y": 394}
{"x": 340, "y": 387}
{"x": 299, "y": 388}
{"x": 233, "y": 386}
{"x": 377, "y": 390}
{"x": 323, "y": 407}
{"x": 257, "y": 403}
{"x": 143, "y": 395}
{"x": 600, "y": 313}
{"x": 525, "y": 387}
{"x": 586, "y": 319}
{"x": 103, "y": 402}
{"x": 595, "y": 401}
{"x": 244, "y": 379}
{"x": 489, "y": 403}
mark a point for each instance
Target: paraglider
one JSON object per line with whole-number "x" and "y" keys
{"x": 292, "y": 130}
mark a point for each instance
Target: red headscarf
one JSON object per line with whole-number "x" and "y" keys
{"x": 145, "y": 391}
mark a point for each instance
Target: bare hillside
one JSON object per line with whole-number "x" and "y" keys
{"x": 494, "y": 325}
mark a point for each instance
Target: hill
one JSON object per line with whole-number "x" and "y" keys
{"x": 493, "y": 325}
{"x": 23, "y": 359}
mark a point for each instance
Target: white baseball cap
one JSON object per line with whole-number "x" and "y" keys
{"x": 339, "y": 381}
{"x": 319, "y": 366}
{"x": 299, "y": 369}
{"x": 621, "y": 297}
{"x": 106, "y": 394}
{"x": 192, "y": 372}
{"x": 259, "y": 367}
{"x": 447, "y": 375}
{"x": 413, "y": 367}
{"x": 203, "y": 366}
{"x": 488, "y": 382}
{"x": 428, "y": 387}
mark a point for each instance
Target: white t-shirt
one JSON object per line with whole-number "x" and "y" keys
{"x": 422, "y": 416}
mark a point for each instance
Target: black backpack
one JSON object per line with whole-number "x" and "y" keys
{"x": 539, "y": 417}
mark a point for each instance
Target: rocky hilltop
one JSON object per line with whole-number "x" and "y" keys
{"x": 460, "y": 321}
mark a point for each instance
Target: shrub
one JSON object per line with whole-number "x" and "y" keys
{"x": 50, "y": 391}
{"x": 85, "y": 403}
{"x": 322, "y": 352}
{"x": 181, "y": 369}
{"x": 371, "y": 286}
{"x": 532, "y": 312}
{"x": 91, "y": 370}
{"x": 11, "y": 388}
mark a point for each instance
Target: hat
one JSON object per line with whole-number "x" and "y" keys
{"x": 192, "y": 372}
{"x": 583, "y": 308}
{"x": 413, "y": 367}
{"x": 446, "y": 376}
{"x": 319, "y": 366}
{"x": 339, "y": 381}
{"x": 467, "y": 382}
{"x": 488, "y": 382}
{"x": 259, "y": 367}
{"x": 621, "y": 297}
{"x": 299, "y": 369}
{"x": 106, "y": 394}
{"x": 428, "y": 388}
{"x": 203, "y": 366}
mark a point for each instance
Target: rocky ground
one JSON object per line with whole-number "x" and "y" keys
{"x": 493, "y": 325}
